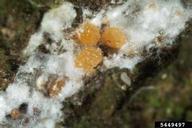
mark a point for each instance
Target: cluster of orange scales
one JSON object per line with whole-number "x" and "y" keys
{"x": 91, "y": 37}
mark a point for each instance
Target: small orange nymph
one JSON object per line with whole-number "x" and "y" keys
{"x": 88, "y": 59}
{"x": 88, "y": 35}
{"x": 113, "y": 37}
{"x": 15, "y": 114}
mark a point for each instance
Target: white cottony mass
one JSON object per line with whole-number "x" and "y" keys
{"x": 143, "y": 21}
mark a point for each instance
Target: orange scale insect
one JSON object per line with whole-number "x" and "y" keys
{"x": 113, "y": 37}
{"x": 88, "y": 35}
{"x": 89, "y": 58}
